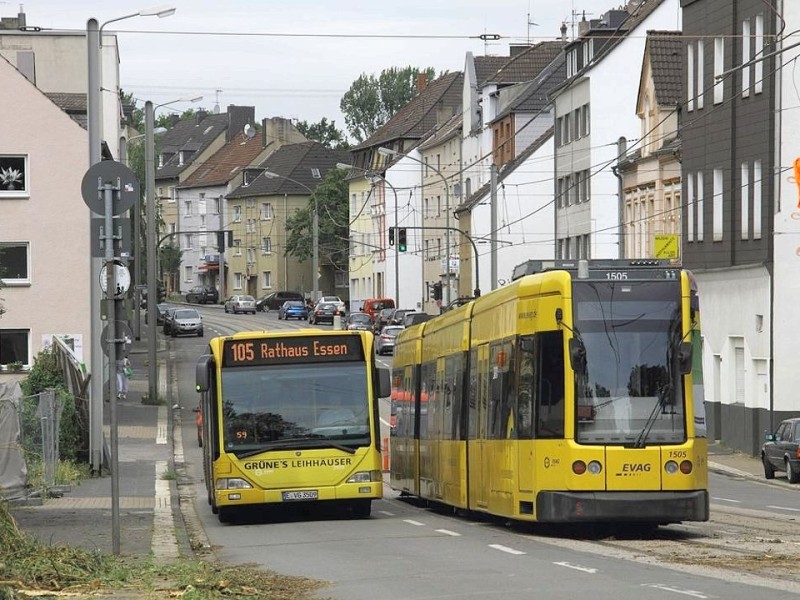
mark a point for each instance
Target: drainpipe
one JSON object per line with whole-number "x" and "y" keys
{"x": 622, "y": 148}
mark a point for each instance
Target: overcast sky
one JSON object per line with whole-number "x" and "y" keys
{"x": 302, "y": 72}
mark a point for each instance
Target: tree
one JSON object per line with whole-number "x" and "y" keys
{"x": 170, "y": 259}
{"x": 324, "y": 133}
{"x": 370, "y": 102}
{"x": 137, "y": 115}
{"x": 331, "y": 197}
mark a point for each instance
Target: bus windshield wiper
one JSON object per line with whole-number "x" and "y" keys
{"x": 312, "y": 441}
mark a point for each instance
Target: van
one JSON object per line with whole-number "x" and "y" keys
{"x": 372, "y": 306}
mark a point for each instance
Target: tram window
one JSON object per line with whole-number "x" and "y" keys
{"x": 472, "y": 417}
{"x": 525, "y": 382}
{"x": 549, "y": 385}
{"x": 501, "y": 390}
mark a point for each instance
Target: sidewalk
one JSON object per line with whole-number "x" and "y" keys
{"x": 150, "y": 523}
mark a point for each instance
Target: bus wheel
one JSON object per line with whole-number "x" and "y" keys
{"x": 225, "y": 514}
{"x": 362, "y": 508}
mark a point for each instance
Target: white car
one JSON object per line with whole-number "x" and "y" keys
{"x": 333, "y": 300}
{"x": 240, "y": 303}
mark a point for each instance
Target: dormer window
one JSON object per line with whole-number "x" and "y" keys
{"x": 249, "y": 175}
{"x": 588, "y": 51}
{"x": 572, "y": 62}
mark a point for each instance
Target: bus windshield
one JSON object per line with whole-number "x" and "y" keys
{"x": 631, "y": 392}
{"x": 295, "y": 406}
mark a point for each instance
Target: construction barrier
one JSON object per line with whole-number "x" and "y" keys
{"x": 385, "y": 453}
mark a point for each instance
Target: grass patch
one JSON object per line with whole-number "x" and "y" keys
{"x": 29, "y": 567}
{"x": 157, "y": 401}
{"x": 169, "y": 475}
{"x": 68, "y": 472}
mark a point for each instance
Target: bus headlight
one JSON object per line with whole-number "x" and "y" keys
{"x": 233, "y": 483}
{"x": 365, "y": 477}
{"x": 671, "y": 467}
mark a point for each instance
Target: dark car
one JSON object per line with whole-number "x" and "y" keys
{"x": 201, "y": 294}
{"x": 169, "y": 313}
{"x": 399, "y": 314}
{"x": 382, "y": 319}
{"x": 413, "y": 318}
{"x": 781, "y": 451}
{"x": 323, "y": 312}
{"x": 293, "y": 309}
{"x": 160, "y": 310}
{"x": 275, "y": 300}
{"x": 384, "y": 343}
{"x": 358, "y": 321}
{"x": 186, "y": 321}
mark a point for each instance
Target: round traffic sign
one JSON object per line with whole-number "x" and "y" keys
{"x": 123, "y": 181}
{"x": 122, "y": 332}
{"x": 122, "y": 279}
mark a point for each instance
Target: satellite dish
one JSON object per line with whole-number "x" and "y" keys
{"x": 249, "y": 131}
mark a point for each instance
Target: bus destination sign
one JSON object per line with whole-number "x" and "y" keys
{"x": 291, "y": 350}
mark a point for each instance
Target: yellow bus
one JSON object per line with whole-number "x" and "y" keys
{"x": 291, "y": 416}
{"x": 565, "y": 396}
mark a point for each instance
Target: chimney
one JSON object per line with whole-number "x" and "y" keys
{"x": 174, "y": 119}
{"x": 276, "y": 129}
{"x": 422, "y": 81}
{"x": 21, "y": 21}
{"x": 200, "y": 115}
{"x": 583, "y": 25}
{"x": 238, "y": 117}
{"x": 563, "y": 32}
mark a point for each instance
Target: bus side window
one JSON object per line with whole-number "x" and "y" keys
{"x": 549, "y": 385}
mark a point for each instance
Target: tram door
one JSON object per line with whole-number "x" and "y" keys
{"x": 482, "y": 401}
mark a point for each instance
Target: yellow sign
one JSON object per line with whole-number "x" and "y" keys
{"x": 666, "y": 246}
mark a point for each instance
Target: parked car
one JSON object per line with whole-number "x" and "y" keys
{"x": 169, "y": 313}
{"x": 382, "y": 319}
{"x": 275, "y": 300}
{"x": 323, "y": 311}
{"x": 202, "y": 294}
{"x": 399, "y": 315}
{"x": 293, "y": 309}
{"x": 160, "y": 310}
{"x": 781, "y": 451}
{"x": 358, "y": 321}
{"x": 240, "y": 303}
{"x": 384, "y": 343}
{"x": 186, "y": 321}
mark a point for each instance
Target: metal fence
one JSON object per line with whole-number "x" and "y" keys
{"x": 40, "y": 423}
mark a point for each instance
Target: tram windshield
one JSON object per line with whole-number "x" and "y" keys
{"x": 631, "y": 391}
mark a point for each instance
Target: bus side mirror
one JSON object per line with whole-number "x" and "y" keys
{"x": 685, "y": 357}
{"x": 203, "y": 373}
{"x": 384, "y": 383}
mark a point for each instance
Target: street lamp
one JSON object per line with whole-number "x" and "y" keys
{"x": 383, "y": 151}
{"x": 368, "y": 174}
{"x": 94, "y": 110}
{"x": 314, "y": 232}
{"x": 152, "y": 246}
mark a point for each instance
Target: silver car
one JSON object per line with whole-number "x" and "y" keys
{"x": 186, "y": 321}
{"x": 384, "y": 342}
{"x": 240, "y": 303}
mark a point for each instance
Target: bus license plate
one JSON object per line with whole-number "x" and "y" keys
{"x": 300, "y": 495}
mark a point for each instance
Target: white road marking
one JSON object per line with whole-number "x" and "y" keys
{"x": 505, "y": 549}
{"x": 784, "y": 508}
{"x": 164, "y": 544}
{"x": 411, "y": 522}
{"x": 161, "y": 427}
{"x": 448, "y": 532}
{"x": 669, "y": 588}
{"x": 576, "y": 567}
{"x": 386, "y": 512}
{"x": 726, "y": 500}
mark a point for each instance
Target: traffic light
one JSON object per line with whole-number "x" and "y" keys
{"x": 437, "y": 290}
{"x": 391, "y": 236}
{"x": 402, "y": 245}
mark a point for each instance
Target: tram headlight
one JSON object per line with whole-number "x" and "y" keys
{"x": 595, "y": 467}
{"x": 365, "y": 477}
{"x": 671, "y": 467}
{"x": 233, "y": 483}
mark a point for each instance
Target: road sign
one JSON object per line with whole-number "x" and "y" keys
{"x": 122, "y": 332}
{"x": 122, "y": 227}
{"x": 122, "y": 277}
{"x": 121, "y": 178}
{"x": 666, "y": 246}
